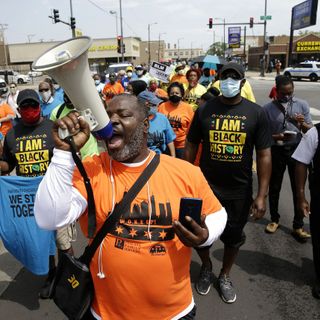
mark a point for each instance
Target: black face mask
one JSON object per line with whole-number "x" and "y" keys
{"x": 175, "y": 99}
{"x": 285, "y": 99}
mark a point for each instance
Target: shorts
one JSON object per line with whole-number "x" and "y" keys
{"x": 65, "y": 236}
{"x": 233, "y": 235}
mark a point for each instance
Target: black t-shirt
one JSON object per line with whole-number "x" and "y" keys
{"x": 229, "y": 134}
{"x": 29, "y": 148}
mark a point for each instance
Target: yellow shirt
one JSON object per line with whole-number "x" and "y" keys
{"x": 193, "y": 95}
{"x": 246, "y": 91}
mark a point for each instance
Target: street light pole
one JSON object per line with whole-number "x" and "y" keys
{"x": 121, "y": 31}
{"x": 73, "y": 27}
{"x": 113, "y": 12}
{"x": 149, "y": 44}
{"x": 159, "y": 45}
{"x": 179, "y": 47}
{"x": 264, "y": 39}
{"x": 224, "y": 35}
{"x": 3, "y": 27}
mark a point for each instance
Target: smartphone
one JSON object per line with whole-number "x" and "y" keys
{"x": 190, "y": 207}
{"x": 290, "y": 132}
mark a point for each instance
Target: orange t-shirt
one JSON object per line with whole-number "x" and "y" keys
{"x": 179, "y": 78}
{"x": 144, "y": 278}
{"x": 160, "y": 93}
{"x": 5, "y": 110}
{"x": 180, "y": 119}
{"x": 111, "y": 90}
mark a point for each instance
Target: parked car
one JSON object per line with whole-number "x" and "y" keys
{"x": 308, "y": 70}
{"x": 14, "y": 76}
{"x": 116, "y": 67}
{"x": 34, "y": 74}
{"x": 3, "y": 87}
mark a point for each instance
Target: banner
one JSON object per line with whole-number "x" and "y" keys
{"x": 19, "y": 231}
{"x": 160, "y": 71}
{"x": 234, "y": 36}
{"x": 304, "y": 14}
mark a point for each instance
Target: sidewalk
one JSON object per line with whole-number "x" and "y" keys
{"x": 9, "y": 268}
{"x": 256, "y": 75}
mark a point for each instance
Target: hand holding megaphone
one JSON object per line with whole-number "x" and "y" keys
{"x": 76, "y": 126}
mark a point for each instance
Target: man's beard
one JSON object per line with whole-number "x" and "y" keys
{"x": 132, "y": 148}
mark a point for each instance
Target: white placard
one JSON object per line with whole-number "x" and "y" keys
{"x": 160, "y": 71}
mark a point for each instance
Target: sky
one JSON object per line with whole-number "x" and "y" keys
{"x": 185, "y": 20}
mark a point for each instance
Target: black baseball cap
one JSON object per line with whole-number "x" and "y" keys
{"x": 235, "y": 67}
{"x": 27, "y": 94}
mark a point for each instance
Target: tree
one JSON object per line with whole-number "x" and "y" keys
{"x": 216, "y": 48}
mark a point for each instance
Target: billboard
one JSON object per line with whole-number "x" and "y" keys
{"x": 304, "y": 14}
{"x": 234, "y": 35}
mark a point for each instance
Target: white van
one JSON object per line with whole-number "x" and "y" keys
{"x": 116, "y": 67}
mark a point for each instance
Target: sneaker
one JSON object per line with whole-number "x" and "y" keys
{"x": 46, "y": 290}
{"x": 272, "y": 227}
{"x": 227, "y": 292}
{"x": 300, "y": 234}
{"x": 204, "y": 281}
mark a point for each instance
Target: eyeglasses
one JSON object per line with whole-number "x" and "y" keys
{"x": 32, "y": 104}
{"x": 43, "y": 90}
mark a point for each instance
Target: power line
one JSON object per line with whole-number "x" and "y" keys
{"x": 105, "y": 11}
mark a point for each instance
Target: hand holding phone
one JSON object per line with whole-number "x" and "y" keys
{"x": 190, "y": 207}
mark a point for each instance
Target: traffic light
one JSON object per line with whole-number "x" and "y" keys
{"x": 251, "y": 22}
{"x": 123, "y": 48}
{"x": 73, "y": 22}
{"x": 210, "y": 23}
{"x": 56, "y": 15}
{"x": 119, "y": 44}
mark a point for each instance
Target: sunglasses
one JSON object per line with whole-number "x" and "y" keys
{"x": 43, "y": 90}
{"x": 32, "y": 104}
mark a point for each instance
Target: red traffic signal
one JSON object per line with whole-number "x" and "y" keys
{"x": 251, "y": 22}
{"x": 210, "y": 23}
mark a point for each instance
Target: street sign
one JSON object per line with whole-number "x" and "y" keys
{"x": 304, "y": 14}
{"x": 265, "y": 18}
{"x": 234, "y": 35}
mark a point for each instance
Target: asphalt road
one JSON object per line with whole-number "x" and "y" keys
{"x": 273, "y": 274}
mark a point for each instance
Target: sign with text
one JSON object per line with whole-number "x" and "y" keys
{"x": 234, "y": 35}
{"x": 19, "y": 231}
{"x": 160, "y": 71}
{"x": 308, "y": 46}
{"x": 304, "y": 14}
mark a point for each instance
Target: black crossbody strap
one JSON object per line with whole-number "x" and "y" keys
{"x": 111, "y": 221}
{"x": 91, "y": 203}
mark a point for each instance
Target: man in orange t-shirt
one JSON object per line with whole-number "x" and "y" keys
{"x": 180, "y": 75}
{"x": 6, "y": 117}
{"x": 141, "y": 270}
{"x": 112, "y": 88}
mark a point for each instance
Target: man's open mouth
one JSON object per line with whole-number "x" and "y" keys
{"x": 115, "y": 141}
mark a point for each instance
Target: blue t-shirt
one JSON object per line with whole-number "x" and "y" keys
{"x": 160, "y": 133}
{"x": 58, "y": 95}
{"x": 46, "y": 108}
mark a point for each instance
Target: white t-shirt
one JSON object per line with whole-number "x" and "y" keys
{"x": 307, "y": 147}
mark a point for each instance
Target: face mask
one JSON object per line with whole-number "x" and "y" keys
{"x": 230, "y": 87}
{"x": 56, "y": 86}
{"x": 285, "y": 99}
{"x": 175, "y": 99}
{"x": 97, "y": 82}
{"x": 30, "y": 115}
{"x": 13, "y": 91}
{"x": 45, "y": 96}
{"x": 139, "y": 72}
{"x": 180, "y": 72}
{"x": 153, "y": 87}
{"x": 129, "y": 74}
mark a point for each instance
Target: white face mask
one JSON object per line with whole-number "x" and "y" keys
{"x": 56, "y": 86}
{"x": 139, "y": 72}
{"x": 97, "y": 82}
{"x": 13, "y": 91}
{"x": 230, "y": 87}
{"x": 129, "y": 74}
{"x": 181, "y": 72}
{"x": 45, "y": 96}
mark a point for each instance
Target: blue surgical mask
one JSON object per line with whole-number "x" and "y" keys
{"x": 97, "y": 82}
{"x": 230, "y": 87}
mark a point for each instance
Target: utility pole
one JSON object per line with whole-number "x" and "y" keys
{"x": 121, "y": 31}
{"x": 244, "y": 43}
{"x": 72, "y": 21}
{"x": 3, "y": 27}
{"x": 291, "y": 40}
{"x": 264, "y": 39}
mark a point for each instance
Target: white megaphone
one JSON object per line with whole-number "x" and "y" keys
{"x": 67, "y": 63}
